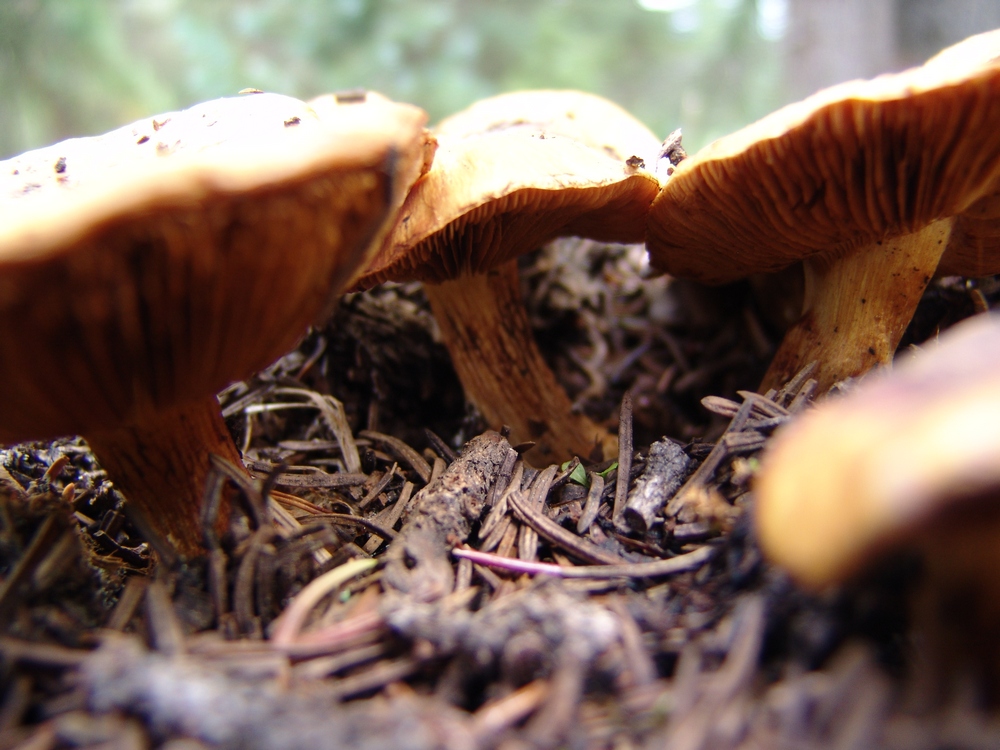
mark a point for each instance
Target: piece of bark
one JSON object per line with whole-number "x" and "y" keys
{"x": 666, "y": 468}
{"x": 440, "y": 517}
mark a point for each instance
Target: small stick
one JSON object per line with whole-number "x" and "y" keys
{"x": 366, "y": 524}
{"x": 508, "y": 539}
{"x": 503, "y": 478}
{"x": 165, "y": 629}
{"x": 439, "y": 446}
{"x": 46, "y": 535}
{"x": 665, "y": 470}
{"x": 243, "y": 587}
{"x": 624, "y": 457}
{"x": 499, "y": 510}
{"x": 803, "y": 397}
{"x": 593, "y": 504}
{"x": 500, "y": 714}
{"x": 380, "y": 485}
{"x": 559, "y": 536}
{"x": 442, "y": 512}
{"x": 527, "y": 542}
{"x": 130, "y": 597}
{"x": 332, "y": 412}
{"x": 655, "y": 569}
{"x": 290, "y": 622}
{"x": 392, "y": 514}
{"x": 792, "y": 386}
{"x": 17, "y": 651}
{"x": 685, "y": 496}
{"x": 402, "y": 451}
{"x": 438, "y": 467}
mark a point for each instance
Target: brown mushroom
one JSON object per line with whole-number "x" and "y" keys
{"x": 862, "y": 182}
{"x": 143, "y": 270}
{"x": 907, "y": 458}
{"x": 498, "y": 189}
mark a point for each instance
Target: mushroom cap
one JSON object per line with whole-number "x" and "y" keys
{"x": 853, "y": 164}
{"x": 590, "y": 119}
{"x": 863, "y": 474}
{"x": 157, "y": 263}
{"x": 491, "y": 197}
{"x": 515, "y": 171}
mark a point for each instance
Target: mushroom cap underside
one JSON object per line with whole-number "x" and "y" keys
{"x": 134, "y": 279}
{"x": 489, "y": 198}
{"x": 854, "y": 164}
{"x": 864, "y": 473}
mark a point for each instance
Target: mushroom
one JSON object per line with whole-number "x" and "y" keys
{"x": 143, "y": 270}
{"x": 909, "y": 458}
{"x": 862, "y": 182}
{"x": 499, "y": 188}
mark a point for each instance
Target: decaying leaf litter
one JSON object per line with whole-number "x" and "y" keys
{"x": 289, "y": 635}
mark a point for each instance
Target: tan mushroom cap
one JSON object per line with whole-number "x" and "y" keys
{"x": 892, "y": 464}
{"x": 489, "y": 198}
{"x": 586, "y": 117}
{"x": 159, "y": 262}
{"x": 502, "y": 186}
{"x": 859, "y": 162}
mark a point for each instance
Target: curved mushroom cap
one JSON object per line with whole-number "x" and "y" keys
{"x": 856, "y": 163}
{"x": 588, "y": 118}
{"x": 375, "y": 105}
{"x": 159, "y": 262}
{"x": 862, "y": 474}
{"x": 489, "y": 198}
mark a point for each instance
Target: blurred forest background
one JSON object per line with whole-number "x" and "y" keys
{"x": 80, "y": 67}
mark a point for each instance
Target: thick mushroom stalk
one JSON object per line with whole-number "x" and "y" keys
{"x": 488, "y": 334}
{"x": 162, "y": 462}
{"x": 857, "y": 306}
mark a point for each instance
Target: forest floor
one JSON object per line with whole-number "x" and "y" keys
{"x": 323, "y": 619}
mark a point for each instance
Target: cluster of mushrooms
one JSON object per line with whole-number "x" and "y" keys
{"x": 143, "y": 270}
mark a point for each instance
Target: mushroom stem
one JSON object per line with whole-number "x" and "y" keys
{"x": 857, "y": 307}
{"x": 161, "y": 466}
{"x": 487, "y": 331}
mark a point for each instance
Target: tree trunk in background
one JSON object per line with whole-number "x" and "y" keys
{"x": 830, "y": 41}
{"x": 928, "y": 26}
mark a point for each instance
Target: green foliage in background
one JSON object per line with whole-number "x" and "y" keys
{"x": 76, "y": 67}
